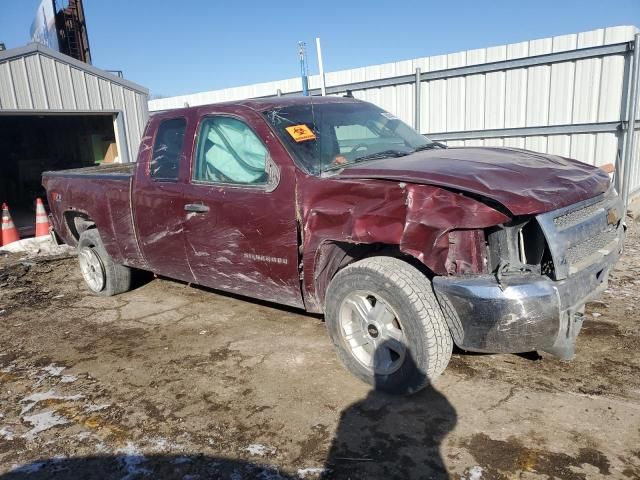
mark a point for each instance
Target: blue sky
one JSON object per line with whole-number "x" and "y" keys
{"x": 176, "y": 47}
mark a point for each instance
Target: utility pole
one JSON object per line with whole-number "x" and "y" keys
{"x": 303, "y": 68}
{"x": 323, "y": 88}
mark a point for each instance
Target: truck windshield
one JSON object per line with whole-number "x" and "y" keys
{"x": 329, "y": 136}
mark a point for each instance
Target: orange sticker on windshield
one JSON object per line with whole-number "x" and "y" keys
{"x": 301, "y": 133}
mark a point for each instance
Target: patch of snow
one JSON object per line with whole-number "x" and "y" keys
{"x": 131, "y": 460}
{"x": 6, "y": 433}
{"x": 38, "y": 247}
{"x": 181, "y": 460}
{"x": 96, "y": 408}
{"x": 475, "y": 473}
{"x": 311, "y": 471}
{"x": 43, "y": 421}
{"x": 34, "y": 398}
{"x": 102, "y": 448}
{"x": 270, "y": 474}
{"x": 259, "y": 450}
{"x": 29, "y": 468}
{"x": 82, "y": 435}
{"x": 68, "y": 378}
{"x": 162, "y": 444}
{"x": 53, "y": 370}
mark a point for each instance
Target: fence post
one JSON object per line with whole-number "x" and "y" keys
{"x": 629, "y": 145}
{"x": 416, "y": 113}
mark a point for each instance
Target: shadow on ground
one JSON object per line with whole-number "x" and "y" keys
{"x": 382, "y": 436}
{"x": 393, "y": 436}
{"x": 133, "y": 467}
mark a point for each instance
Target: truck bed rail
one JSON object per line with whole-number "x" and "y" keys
{"x": 114, "y": 170}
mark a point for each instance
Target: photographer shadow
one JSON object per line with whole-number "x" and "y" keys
{"x": 393, "y": 436}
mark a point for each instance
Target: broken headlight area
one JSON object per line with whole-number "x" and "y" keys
{"x": 518, "y": 247}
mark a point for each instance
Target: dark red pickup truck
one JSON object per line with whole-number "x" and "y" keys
{"x": 336, "y": 206}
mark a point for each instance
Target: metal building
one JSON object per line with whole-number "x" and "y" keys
{"x": 567, "y": 95}
{"x": 57, "y": 112}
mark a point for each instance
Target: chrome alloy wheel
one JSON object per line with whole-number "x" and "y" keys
{"x": 92, "y": 269}
{"x": 372, "y": 331}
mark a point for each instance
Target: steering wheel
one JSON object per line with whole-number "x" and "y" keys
{"x": 358, "y": 146}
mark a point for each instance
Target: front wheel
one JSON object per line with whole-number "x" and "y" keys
{"x": 387, "y": 325}
{"x": 101, "y": 274}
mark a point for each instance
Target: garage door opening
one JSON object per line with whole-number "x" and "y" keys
{"x": 32, "y": 144}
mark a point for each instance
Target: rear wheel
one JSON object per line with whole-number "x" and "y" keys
{"x": 101, "y": 274}
{"x": 387, "y": 325}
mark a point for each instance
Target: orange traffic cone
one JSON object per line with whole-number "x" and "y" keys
{"x": 9, "y": 232}
{"x": 42, "y": 221}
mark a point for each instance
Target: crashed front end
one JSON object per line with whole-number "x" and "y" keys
{"x": 541, "y": 271}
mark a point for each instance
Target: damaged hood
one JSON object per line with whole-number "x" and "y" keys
{"x": 524, "y": 182}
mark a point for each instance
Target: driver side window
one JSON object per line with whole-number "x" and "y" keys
{"x": 230, "y": 152}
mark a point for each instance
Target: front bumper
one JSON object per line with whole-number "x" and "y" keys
{"x": 524, "y": 312}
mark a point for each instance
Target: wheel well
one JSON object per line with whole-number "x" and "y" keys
{"x": 333, "y": 256}
{"x": 78, "y": 222}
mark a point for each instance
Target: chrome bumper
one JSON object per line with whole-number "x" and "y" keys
{"x": 524, "y": 312}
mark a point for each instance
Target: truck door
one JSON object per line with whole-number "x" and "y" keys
{"x": 158, "y": 198}
{"x": 240, "y": 223}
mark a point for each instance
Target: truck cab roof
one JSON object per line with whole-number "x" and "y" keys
{"x": 260, "y": 104}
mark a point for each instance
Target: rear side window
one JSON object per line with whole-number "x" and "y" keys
{"x": 165, "y": 161}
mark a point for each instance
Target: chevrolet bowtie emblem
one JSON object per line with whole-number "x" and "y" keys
{"x": 612, "y": 216}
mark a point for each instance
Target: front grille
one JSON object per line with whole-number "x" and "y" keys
{"x": 581, "y": 251}
{"x": 581, "y": 234}
{"x": 577, "y": 216}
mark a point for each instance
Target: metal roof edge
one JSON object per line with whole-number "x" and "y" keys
{"x": 33, "y": 48}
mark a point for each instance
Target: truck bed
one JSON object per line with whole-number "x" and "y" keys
{"x": 101, "y": 193}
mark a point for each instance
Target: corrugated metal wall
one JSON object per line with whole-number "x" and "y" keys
{"x": 35, "y": 78}
{"x": 571, "y": 92}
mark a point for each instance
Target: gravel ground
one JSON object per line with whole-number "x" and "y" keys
{"x": 171, "y": 381}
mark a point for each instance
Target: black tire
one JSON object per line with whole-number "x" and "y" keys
{"x": 110, "y": 278}
{"x": 408, "y": 299}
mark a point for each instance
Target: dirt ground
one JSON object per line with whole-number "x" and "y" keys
{"x": 172, "y": 381}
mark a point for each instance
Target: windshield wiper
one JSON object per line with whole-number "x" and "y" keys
{"x": 430, "y": 146}
{"x": 371, "y": 156}
{"x": 383, "y": 154}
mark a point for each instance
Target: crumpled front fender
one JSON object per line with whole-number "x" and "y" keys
{"x": 440, "y": 228}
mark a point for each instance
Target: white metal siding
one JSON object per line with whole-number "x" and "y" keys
{"x": 562, "y": 93}
{"x": 51, "y": 83}
{"x": 44, "y": 81}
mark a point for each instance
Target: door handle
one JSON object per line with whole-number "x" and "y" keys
{"x": 196, "y": 207}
